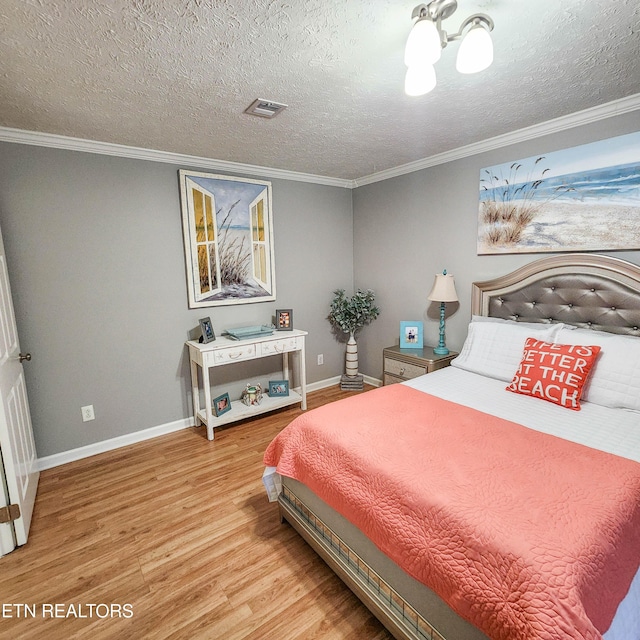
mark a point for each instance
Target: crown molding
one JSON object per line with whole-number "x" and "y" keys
{"x": 587, "y": 116}
{"x": 21, "y": 136}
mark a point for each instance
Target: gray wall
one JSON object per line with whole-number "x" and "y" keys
{"x": 408, "y": 228}
{"x": 95, "y": 255}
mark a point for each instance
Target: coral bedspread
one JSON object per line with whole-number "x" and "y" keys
{"x": 523, "y": 534}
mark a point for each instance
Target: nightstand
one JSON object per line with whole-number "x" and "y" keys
{"x": 404, "y": 364}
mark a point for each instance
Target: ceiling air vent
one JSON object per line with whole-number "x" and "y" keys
{"x": 265, "y": 108}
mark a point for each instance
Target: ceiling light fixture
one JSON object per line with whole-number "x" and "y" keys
{"x": 427, "y": 39}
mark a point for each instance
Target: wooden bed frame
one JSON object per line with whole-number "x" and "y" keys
{"x": 590, "y": 291}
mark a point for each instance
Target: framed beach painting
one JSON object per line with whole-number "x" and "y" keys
{"x": 586, "y": 198}
{"x": 227, "y": 225}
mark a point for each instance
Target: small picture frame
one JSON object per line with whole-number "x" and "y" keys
{"x": 284, "y": 319}
{"x": 207, "y": 330}
{"x": 221, "y": 404}
{"x": 411, "y": 334}
{"x": 278, "y": 388}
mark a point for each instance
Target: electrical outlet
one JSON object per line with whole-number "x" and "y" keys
{"x": 320, "y": 358}
{"x": 87, "y": 413}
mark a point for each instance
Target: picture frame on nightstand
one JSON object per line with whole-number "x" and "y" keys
{"x": 411, "y": 334}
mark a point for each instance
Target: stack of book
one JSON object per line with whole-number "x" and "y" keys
{"x": 352, "y": 382}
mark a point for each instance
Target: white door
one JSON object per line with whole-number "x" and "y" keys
{"x": 18, "y": 460}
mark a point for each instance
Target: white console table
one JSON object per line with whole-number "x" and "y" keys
{"x": 223, "y": 351}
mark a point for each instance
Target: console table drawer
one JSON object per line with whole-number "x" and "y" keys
{"x": 274, "y": 347}
{"x": 235, "y": 354}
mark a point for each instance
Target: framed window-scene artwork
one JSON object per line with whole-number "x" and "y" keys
{"x": 411, "y": 334}
{"x": 227, "y": 226}
{"x": 585, "y": 198}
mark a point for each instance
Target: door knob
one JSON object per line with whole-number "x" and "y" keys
{"x": 24, "y": 356}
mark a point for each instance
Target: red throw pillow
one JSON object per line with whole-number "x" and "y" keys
{"x": 554, "y": 372}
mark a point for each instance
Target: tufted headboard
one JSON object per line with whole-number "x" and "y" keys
{"x": 586, "y": 290}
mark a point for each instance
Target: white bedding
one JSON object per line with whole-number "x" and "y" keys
{"x": 615, "y": 431}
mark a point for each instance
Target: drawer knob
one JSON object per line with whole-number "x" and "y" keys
{"x": 402, "y": 371}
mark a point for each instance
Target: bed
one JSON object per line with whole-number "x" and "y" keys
{"x": 583, "y": 581}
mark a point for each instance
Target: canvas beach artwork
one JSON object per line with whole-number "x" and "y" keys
{"x": 228, "y": 236}
{"x": 585, "y": 198}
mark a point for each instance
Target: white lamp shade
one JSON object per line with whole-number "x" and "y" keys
{"x": 476, "y": 50}
{"x": 423, "y": 44}
{"x": 444, "y": 289}
{"x": 420, "y": 79}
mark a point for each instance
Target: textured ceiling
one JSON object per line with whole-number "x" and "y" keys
{"x": 176, "y": 76}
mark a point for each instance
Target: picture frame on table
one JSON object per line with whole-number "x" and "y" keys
{"x": 411, "y": 334}
{"x": 221, "y": 404}
{"x": 278, "y": 388}
{"x": 208, "y": 334}
{"x": 284, "y": 319}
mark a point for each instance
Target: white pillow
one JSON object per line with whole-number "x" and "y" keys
{"x": 494, "y": 349}
{"x": 615, "y": 378}
{"x": 533, "y": 325}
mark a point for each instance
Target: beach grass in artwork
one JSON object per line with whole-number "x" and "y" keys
{"x": 234, "y": 250}
{"x": 581, "y": 199}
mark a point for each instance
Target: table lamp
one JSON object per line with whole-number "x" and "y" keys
{"x": 443, "y": 291}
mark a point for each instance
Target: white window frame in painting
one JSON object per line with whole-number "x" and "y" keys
{"x": 260, "y": 245}
{"x": 207, "y": 244}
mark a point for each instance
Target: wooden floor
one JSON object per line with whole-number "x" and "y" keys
{"x": 174, "y": 538}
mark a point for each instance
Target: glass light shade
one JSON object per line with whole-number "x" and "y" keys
{"x": 420, "y": 79}
{"x": 476, "y": 50}
{"x": 423, "y": 44}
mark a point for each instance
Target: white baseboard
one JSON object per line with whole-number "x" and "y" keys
{"x": 323, "y": 384}
{"x": 72, "y": 455}
{"x": 374, "y": 382}
{"x": 329, "y": 382}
